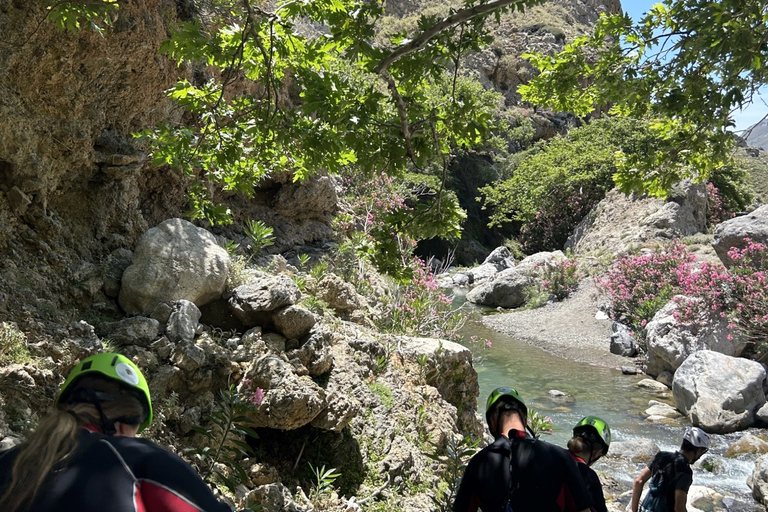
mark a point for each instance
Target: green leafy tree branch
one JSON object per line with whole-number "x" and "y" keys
{"x": 687, "y": 65}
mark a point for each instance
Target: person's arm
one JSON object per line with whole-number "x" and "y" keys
{"x": 637, "y": 487}
{"x": 681, "y": 498}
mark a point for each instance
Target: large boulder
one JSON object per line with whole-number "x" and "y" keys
{"x": 719, "y": 393}
{"x": 669, "y": 342}
{"x": 636, "y": 450}
{"x": 182, "y": 323}
{"x": 340, "y": 295}
{"x": 506, "y": 290}
{"x": 174, "y": 260}
{"x": 501, "y": 256}
{"x": 137, "y": 330}
{"x": 620, "y": 222}
{"x": 251, "y": 302}
{"x": 733, "y": 232}
{"x": 758, "y": 480}
{"x": 289, "y": 401}
{"x": 533, "y": 264}
{"x": 293, "y": 321}
{"x": 447, "y": 367}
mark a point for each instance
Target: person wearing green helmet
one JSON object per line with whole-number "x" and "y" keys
{"x": 517, "y": 471}
{"x": 590, "y": 441}
{"x": 85, "y": 457}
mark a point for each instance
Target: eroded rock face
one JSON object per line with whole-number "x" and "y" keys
{"x": 506, "y": 290}
{"x": 173, "y": 261}
{"x": 293, "y": 321}
{"x": 620, "y": 221}
{"x": 719, "y": 393}
{"x": 339, "y": 295}
{"x": 137, "y": 330}
{"x": 289, "y": 401}
{"x": 669, "y": 342}
{"x": 262, "y": 295}
{"x": 733, "y": 232}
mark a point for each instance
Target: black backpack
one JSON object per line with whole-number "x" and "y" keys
{"x": 659, "y": 487}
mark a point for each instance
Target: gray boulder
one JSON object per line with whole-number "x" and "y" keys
{"x": 183, "y": 321}
{"x": 290, "y": 401}
{"x": 620, "y": 222}
{"x": 137, "y": 330}
{"x": 250, "y": 302}
{"x": 533, "y": 264}
{"x": 173, "y": 261}
{"x": 293, "y": 321}
{"x": 483, "y": 272}
{"x": 506, "y": 290}
{"x": 758, "y": 480}
{"x": 340, "y": 295}
{"x": 448, "y": 368}
{"x": 719, "y": 393}
{"x": 636, "y": 450}
{"x": 622, "y": 340}
{"x": 315, "y": 354}
{"x": 733, "y": 232}
{"x": 500, "y": 256}
{"x": 669, "y": 343}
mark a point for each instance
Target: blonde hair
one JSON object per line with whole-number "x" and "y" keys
{"x": 55, "y": 439}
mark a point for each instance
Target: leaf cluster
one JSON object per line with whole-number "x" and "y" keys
{"x": 229, "y": 427}
{"x": 686, "y": 64}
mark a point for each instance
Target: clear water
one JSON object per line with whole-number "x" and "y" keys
{"x": 598, "y": 391}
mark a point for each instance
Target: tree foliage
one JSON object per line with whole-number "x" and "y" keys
{"x": 555, "y": 184}
{"x": 687, "y": 64}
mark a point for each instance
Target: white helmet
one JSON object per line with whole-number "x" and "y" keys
{"x": 696, "y": 437}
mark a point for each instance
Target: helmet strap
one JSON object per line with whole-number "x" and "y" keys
{"x": 90, "y": 396}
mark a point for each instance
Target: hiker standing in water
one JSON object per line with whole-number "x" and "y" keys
{"x": 517, "y": 472}
{"x": 671, "y": 475}
{"x": 590, "y": 441}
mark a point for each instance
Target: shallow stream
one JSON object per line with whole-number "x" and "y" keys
{"x": 602, "y": 392}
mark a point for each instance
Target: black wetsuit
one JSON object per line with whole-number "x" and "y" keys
{"x": 594, "y": 487}
{"x": 677, "y": 474}
{"x": 547, "y": 479}
{"x": 119, "y": 474}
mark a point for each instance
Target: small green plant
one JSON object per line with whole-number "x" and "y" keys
{"x": 318, "y": 271}
{"x": 230, "y": 246}
{"x": 238, "y": 274}
{"x": 315, "y": 304}
{"x": 536, "y": 297}
{"x": 323, "y": 485}
{"x": 384, "y": 393}
{"x": 539, "y": 424}
{"x": 301, "y": 282}
{"x": 13, "y": 344}
{"x": 382, "y": 363}
{"x": 230, "y": 425}
{"x": 260, "y": 234}
{"x": 303, "y": 260}
{"x": 454, "y": 461}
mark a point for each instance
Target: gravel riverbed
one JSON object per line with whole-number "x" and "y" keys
{"x": 567, "y": 329}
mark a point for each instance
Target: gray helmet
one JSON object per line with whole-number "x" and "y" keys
{"x": 696, "y": 437}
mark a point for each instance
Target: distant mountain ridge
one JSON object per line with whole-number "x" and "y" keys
{"x": 758, "y": 135}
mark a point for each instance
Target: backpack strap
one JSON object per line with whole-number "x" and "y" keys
{"x": 519, "y": 458}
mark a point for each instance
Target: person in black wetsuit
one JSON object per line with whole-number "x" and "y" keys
{"x": 84, "y": 456}
{"x": 590, "y": 441}
{"x": 671, "y": 475}
{"x": 519, "y": 471}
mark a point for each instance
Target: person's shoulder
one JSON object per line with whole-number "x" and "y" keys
{"x": 135, "y": 450}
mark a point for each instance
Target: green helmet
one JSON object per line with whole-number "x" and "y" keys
{"x": 498, "y": 394}
{"x": 598, "y": 425}
{"x": 113, "y": 366}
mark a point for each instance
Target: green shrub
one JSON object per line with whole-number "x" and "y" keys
{"x": 13, "y": 344}
{"x": 260, "y": 234}
{"x": 556, "y": 183}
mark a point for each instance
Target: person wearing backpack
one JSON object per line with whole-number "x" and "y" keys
{"x": 518, "y": 472}
{"x": 84, "y": 456}
{"x": 670, "y": 475}
{"x": 590, "y": 441}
